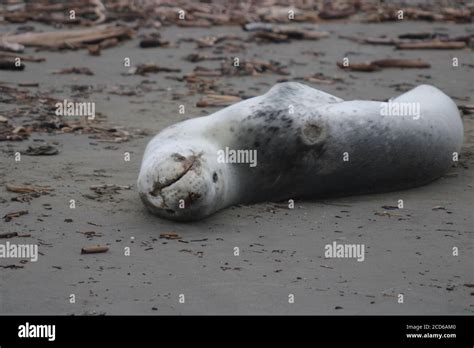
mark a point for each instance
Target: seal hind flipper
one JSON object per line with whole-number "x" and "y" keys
{"x": 286, "y": 92}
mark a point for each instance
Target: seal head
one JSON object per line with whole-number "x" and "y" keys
{"x": 181, "y": 184}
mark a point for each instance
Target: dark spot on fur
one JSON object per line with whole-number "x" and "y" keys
{"x": 192, "y": 197}
{"x": 312, "y": 132}
{"x": 214, "y": 177}
{"x": 273, "y": 129}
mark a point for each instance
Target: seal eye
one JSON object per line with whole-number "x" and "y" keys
{"x": 214, "y": 177}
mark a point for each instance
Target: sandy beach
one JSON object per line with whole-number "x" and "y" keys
{"x": 408, "y": 251}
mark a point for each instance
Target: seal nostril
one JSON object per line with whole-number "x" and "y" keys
{"x": 170, "y": 211}
{"x": 178, "y": 158}
{"x": 214, "y": 177}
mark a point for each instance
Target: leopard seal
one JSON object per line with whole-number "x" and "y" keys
{"x": 309, "y": 144}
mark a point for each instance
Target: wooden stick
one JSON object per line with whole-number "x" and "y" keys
{"x": 10, "y": 64}
{"x": 401, "y": 63}
{"x": 217, "y": 100}
{"x": 367, "y": 66}
{"x": 435, "y": 44}
{"x": 94, "y": 249}
{"x": 66, "y": 38}
{"x": 8, "y": 235}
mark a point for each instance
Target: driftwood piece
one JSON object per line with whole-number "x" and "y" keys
{"x": 147, "y": 68}
{"x": 401, "y": 63}
{"x": 95, "y": 249}
{"x": 95, "y": 49}
{"x": 170, "y": 235}
{"x": 416, "y": 36}
{"x": 153, "y": 42}
{"x": 217, "y": 100}
{"x": 365, "y": 66}
{"x": 380, "y": 41}
{"x": 74, "y": 70}
{"x": 10, "y": 64}
{"x": 198, "y": 57}
{"x": 8, "y": 217}
{"x": 280, "y": 33}
{"x": 69, "y": 38}
{"x": 467, "y": 109}
{"x": 371, "y": 40}
{"x": 11, "y": 46}
{"x": 385, "y": 63}
{"x": 27, "y": 188}
{"x": 269, "y": 36}
{"x": 434, "y": 44}
{"x": 8, "y": 235}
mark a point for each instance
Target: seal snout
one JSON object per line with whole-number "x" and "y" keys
{"x": 177, "y": 185}
{"x": 186, "y": 163}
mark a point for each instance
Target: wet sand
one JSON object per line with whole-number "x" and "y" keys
{"x": 281, "y": 250}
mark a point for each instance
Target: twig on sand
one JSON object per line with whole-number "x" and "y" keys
{"x": 434, "y": 44}
{"x": 217, "y": 100}
{"x": 69, "y": 38}
{"x": 385, "y": 63}
{"x": 94, "y": 249}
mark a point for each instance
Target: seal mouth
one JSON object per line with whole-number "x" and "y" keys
{"x": 187, "y": 163}
{"x": 179, "y": 185}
